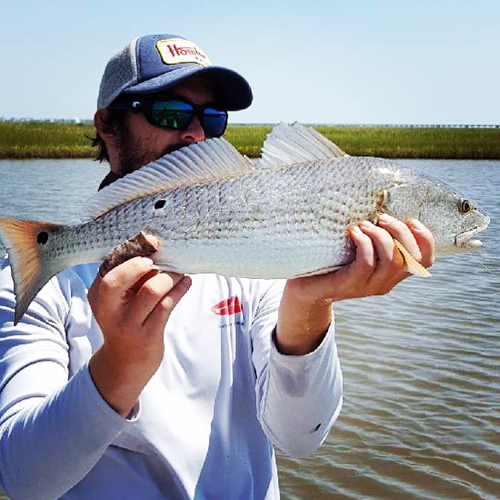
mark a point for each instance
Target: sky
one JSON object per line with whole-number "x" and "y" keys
{"x": 316, "y": 61}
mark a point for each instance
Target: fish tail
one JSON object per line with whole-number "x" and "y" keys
{"x": 32, "y": 267}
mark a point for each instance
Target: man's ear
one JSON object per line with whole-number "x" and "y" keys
{"x": 103, "y": 127}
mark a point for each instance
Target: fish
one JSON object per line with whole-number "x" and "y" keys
{"x": 285, "y": 215}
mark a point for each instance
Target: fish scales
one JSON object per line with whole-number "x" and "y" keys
{"x": 226, "y": 226}
{"x": 215, "y": 211}
{"x": 296, "y": 217}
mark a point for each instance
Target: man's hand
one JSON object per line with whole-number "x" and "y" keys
{"x": 132, "y": 304}
{"x": 305, "y": 310}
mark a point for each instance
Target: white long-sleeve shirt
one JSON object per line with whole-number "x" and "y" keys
{"x": 205, "y": 424}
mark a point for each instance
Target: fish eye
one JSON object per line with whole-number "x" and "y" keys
{"x": 465, "y": 206}
{"x": 42, "y": 237}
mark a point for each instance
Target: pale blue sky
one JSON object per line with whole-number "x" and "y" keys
{"x": 323, "y": 61}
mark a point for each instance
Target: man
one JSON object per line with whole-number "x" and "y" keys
{"x": 168, "y": 386}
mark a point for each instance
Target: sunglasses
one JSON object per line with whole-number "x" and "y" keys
{"x": 176, "y": 114}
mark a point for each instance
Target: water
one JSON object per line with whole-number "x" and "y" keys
{"x": 421, "y": 418}
{"x": 53, "y": 190}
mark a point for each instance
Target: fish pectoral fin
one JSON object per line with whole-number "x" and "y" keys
{"x": 413, "y": 266}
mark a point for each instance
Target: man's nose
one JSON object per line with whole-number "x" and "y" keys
{"x": 194, "y": 132}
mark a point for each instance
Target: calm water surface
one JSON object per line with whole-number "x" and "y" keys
{"x": 421, "y": 418}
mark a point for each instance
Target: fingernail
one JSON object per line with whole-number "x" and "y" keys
{"x": 367, "y": 224}
{"x": 148, "y": 261}
{"x": 356, "y": 230}
{"x": 385, "y": 218}
{"x": 416, "y": 224}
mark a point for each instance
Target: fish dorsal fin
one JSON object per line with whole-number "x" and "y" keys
{"x": 289, "y": 144}
{"x": 207, "y": 161}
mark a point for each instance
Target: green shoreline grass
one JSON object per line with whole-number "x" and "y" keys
{"x": 35, "y": 139}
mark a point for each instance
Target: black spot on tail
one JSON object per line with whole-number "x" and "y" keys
{"x": 42, "y": 237}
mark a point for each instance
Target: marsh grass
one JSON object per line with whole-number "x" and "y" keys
{"x": 388, "y": 142}
{"x": 409, "y": 142}
{"x": 69, "y": 140}
{"x": 45, "y": 140}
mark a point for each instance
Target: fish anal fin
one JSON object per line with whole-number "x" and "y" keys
{"x": 413, "y": 266}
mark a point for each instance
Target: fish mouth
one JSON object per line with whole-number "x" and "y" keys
{"x": 466, "y": 240}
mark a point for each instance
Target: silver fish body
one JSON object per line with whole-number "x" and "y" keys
{"x": 279, "y": 223}
{"x": 285, "y": 216}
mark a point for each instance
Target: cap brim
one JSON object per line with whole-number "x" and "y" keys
{"x": 232, "y": 90}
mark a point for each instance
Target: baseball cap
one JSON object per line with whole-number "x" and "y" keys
{"x": 153, "y": 63}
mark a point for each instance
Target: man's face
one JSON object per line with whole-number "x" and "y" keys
{"x": 140, "y": 143}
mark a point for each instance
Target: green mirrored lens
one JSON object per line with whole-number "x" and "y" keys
{"x": 172, "y": 114}
{"x": 178, "y": 115}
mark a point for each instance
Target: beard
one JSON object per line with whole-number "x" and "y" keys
{"x": 133, "y": 155}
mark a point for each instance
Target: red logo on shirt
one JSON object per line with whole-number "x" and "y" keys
{"x": 229, "y": 306}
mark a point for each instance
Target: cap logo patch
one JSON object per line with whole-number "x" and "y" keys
{"x": 181, "y": 51}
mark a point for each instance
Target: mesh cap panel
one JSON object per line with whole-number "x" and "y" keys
{"x": 120, "y": 73}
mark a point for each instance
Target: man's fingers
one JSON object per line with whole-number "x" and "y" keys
{"x": 414, "y": 236}
{"x": 401, "y": 232}
{"x": 153, "y": 291}
{"x": 118, "y": 282}
{"x": 383, "y": 244}
{"x": 365, "y": 261}
{"x": 124, "y": 276}
{"x": 425, "y": 241}
{"x": 162, "y": 310}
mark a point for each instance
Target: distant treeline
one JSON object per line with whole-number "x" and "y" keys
{"x": 35, "y": 139}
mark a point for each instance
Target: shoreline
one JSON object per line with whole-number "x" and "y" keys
{"x": 62, "y": 140}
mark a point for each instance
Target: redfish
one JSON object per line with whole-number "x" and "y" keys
{"x": 215, "y": 211}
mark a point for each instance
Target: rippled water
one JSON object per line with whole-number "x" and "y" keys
{"x": 422, "y": 378}
{"x": 421, "y": 418}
